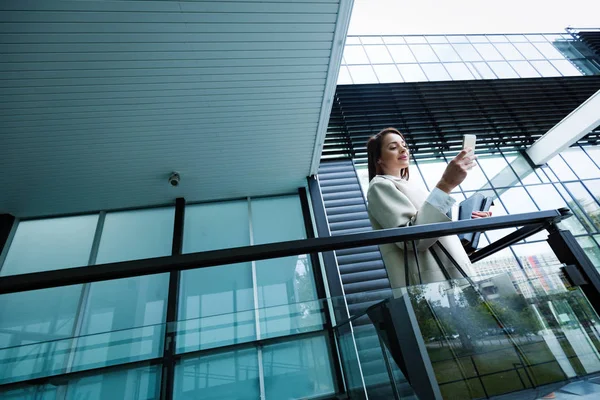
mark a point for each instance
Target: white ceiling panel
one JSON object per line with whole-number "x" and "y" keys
{"x": 101, "y": 100}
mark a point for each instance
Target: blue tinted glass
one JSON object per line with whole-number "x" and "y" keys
{"x": 548, "y": 198}
{"x": 49, "y": 244}
{"x": 549, "y": 51}
{"x": 135, "y": 384}
{"x": 35, "y": 332}
{"x": 128, "y": 326}
{"x": 217, "y": 303}
{"x": 298, "y": 369}
{"x": 225, "y": 376}
{"x": 286, "y": 286}
{"x": 133, "y": 235}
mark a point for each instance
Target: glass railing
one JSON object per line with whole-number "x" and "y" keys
{"x": 35, "y": 355}
{"x": 488, "y": 338}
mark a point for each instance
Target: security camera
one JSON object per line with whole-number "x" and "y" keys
{"x": 174, "y": 179}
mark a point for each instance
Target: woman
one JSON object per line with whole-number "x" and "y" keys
{"x": 394, "y": 201}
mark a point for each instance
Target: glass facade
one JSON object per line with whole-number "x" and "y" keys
{"x": 250, "y": 330}
{"x": 385, "y": 59}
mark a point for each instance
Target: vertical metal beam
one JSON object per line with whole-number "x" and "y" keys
{"x": 568, "y": 251}
{"x": 397, "y": 325}
{"x": 168, "y": 370}
{"x": 321, "y": 294}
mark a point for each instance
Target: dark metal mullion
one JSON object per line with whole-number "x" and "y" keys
{"x": 321, "y": 293}
{"x": 576, "y": 201}
{"x": 8, "y": 227}
{"x": 169, "y": 348}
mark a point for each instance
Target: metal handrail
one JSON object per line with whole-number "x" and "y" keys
{"x": 128, "y": 269}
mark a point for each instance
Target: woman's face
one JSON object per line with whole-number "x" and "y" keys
{"x": 394, "y": 154}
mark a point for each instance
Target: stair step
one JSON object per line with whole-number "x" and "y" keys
{"x": 364, "y": 276}
{"x": 358, "y": 257}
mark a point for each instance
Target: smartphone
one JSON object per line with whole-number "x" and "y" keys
{"x": 469, "y": 141}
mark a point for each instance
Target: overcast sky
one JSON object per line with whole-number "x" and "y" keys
{"x": 471, "y": 16}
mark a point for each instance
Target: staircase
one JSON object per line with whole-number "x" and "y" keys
{"x": 363, "y": 274}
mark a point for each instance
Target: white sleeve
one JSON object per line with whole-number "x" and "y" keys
{"x": 440, "y": 200}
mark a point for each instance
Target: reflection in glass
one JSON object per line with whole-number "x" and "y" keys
{"x": 516, "y": 200}
{"x": 545, "y": 68}
{"x": 378, "y": 54}
{"x": 114, "y": 321}
{"x": 549, "y": 51}
{"x": 298, "y": 369}
{"x": 285, "y": 285}
{"x": 362, "y": 74}
{"x": 580, "y": 163}
{"x": 590, "y": 247}
{"x": 402, "y": 54}
{"x": 503, "y": 69}
{"x": 548, "y": 198}
{"x": 561, "y": 169}
{"x": 387, "y": 73}
{"x": 217, "y": 302}
{"x": 566, "y": 68}
{"x": 50, "y": 244}
{"x": 488, "y": 52}
{"x": 432, "y": 171}
{"x": 503, "y": 334}
{"x": 458, "y": 71}
{"x": 412, "y": 72}
{"x": 424, "y": 53}
{"x": 497, "y": 171}
{"x": 522, "y": 168}
{"x": 575, "y": 208}
{"x": 445, "y": 52}
{"x": 355, "y": 55}
{"x": 529, "y": 51}
{"x": 467, "y": 52}
{"x": 231, "y": 375}
{"x": 136, "y": 384}
{"x": 524, "y": 69}
{"x": 588, "y": 202}
{"x": 508, "y": 51}
{"x": 484, "y": 70}
{"x": 436, "y": 72}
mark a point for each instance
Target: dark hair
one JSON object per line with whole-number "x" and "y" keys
{"x": 374, "y": 153}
